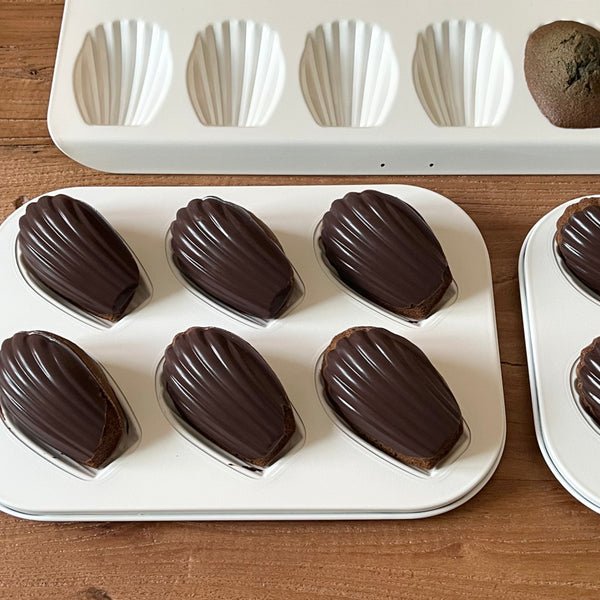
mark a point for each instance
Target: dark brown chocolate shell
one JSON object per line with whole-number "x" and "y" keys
{"x": 59, "y": 397}
{"x": 70, "y": 248}
{"x": 383, "y": 249}
{"x": 388, "y": 392}
{"x": 578, "y": 241}
{"x": 588, "y": 380}
{"x": 229, "y": 254}
{"x": 224, "y": 389}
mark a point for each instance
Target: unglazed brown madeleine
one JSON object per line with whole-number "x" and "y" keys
{"x": 588, "y": 379}
{"x": 562, "y": 69}
{"x": 578, "y": 241}
{"x": 224, "y": 389}
{"x": 57, "y": 395}
{"x": 383, "y": 249}
{"x": 69, "y": 247}
{"x": 388, "y": 392}
{"x": 226, "y": 252}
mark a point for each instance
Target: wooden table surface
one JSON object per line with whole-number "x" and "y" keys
{"x": 523, "y": 536}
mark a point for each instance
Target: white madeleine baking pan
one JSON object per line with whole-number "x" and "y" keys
{"x": 560, "y": 318}
{"x": 318, "y": 87}
{"x": 328, "y": 475}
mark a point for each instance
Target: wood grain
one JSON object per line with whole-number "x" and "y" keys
{"x": 522, "y": 537}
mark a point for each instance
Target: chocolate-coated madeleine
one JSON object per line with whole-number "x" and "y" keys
{"x": 386, "y": 390}
{"x": 226, "y": 252}
{"x": 57, "y": 395}
{"x": 562, "y": 69}
{"x": 578, "y": 241}
{"x": 70, "y": 248}
{"x": 588, "y": 379}
{"x": 383, "y": 249}
{"x": 224, "y": 389}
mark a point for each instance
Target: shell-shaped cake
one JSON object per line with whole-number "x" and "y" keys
{"x": 349, "y": 74}
{"x": 462, "y": 74}
{"x": 71, "y": 249}
{"x": 562, "y": 70}
{"x": 388, "y": 392}
{"x": 235, "y": 74}
{"x": 382, "y": 248}
{"x": 58, "y": 396}
{"x": 588, "y": 380}
{"x": 224, "y": 389}
{"x": 229, "y": 254}
{"x": 578, "y": 241}
{"x": 122, "y": 73}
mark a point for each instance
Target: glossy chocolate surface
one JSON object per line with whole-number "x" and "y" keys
{"x": 578, "y": 240}
{"x": 382, "y": 248}
{"x": 588, "y": 379}
{"x": 228, "y": 253}
{"x": 226, "y": 391}
{"x": 390, "y": 394}
{"x": 57, "y": 395}
{"x": 70, "y": 248}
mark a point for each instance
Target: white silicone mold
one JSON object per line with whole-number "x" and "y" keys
{"x": 462, "y": 74}
{"x": 338, "y": 109}
{"x": 172, "y": 475}
{"x": 122, "y": 73}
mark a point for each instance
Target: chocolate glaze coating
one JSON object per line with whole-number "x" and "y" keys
{"x": 562, "y": 69}
{"x": 382, "y": 248}
{"x": 231, "y": 255}
{"x": 225, "y": 390}
{"x": 588, "y": 379}
{"x": 578, "y": 241}
{"x": 54, "y": 393}
{"x": 70, "y": 248}
{"x": 388, "y": 393}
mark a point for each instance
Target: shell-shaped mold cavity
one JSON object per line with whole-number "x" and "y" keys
{"x": 349, "y": 74}
{"x": 462, "y": 74}
{"x": 235, "y": 74}
{"x": 122, "y": 73}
